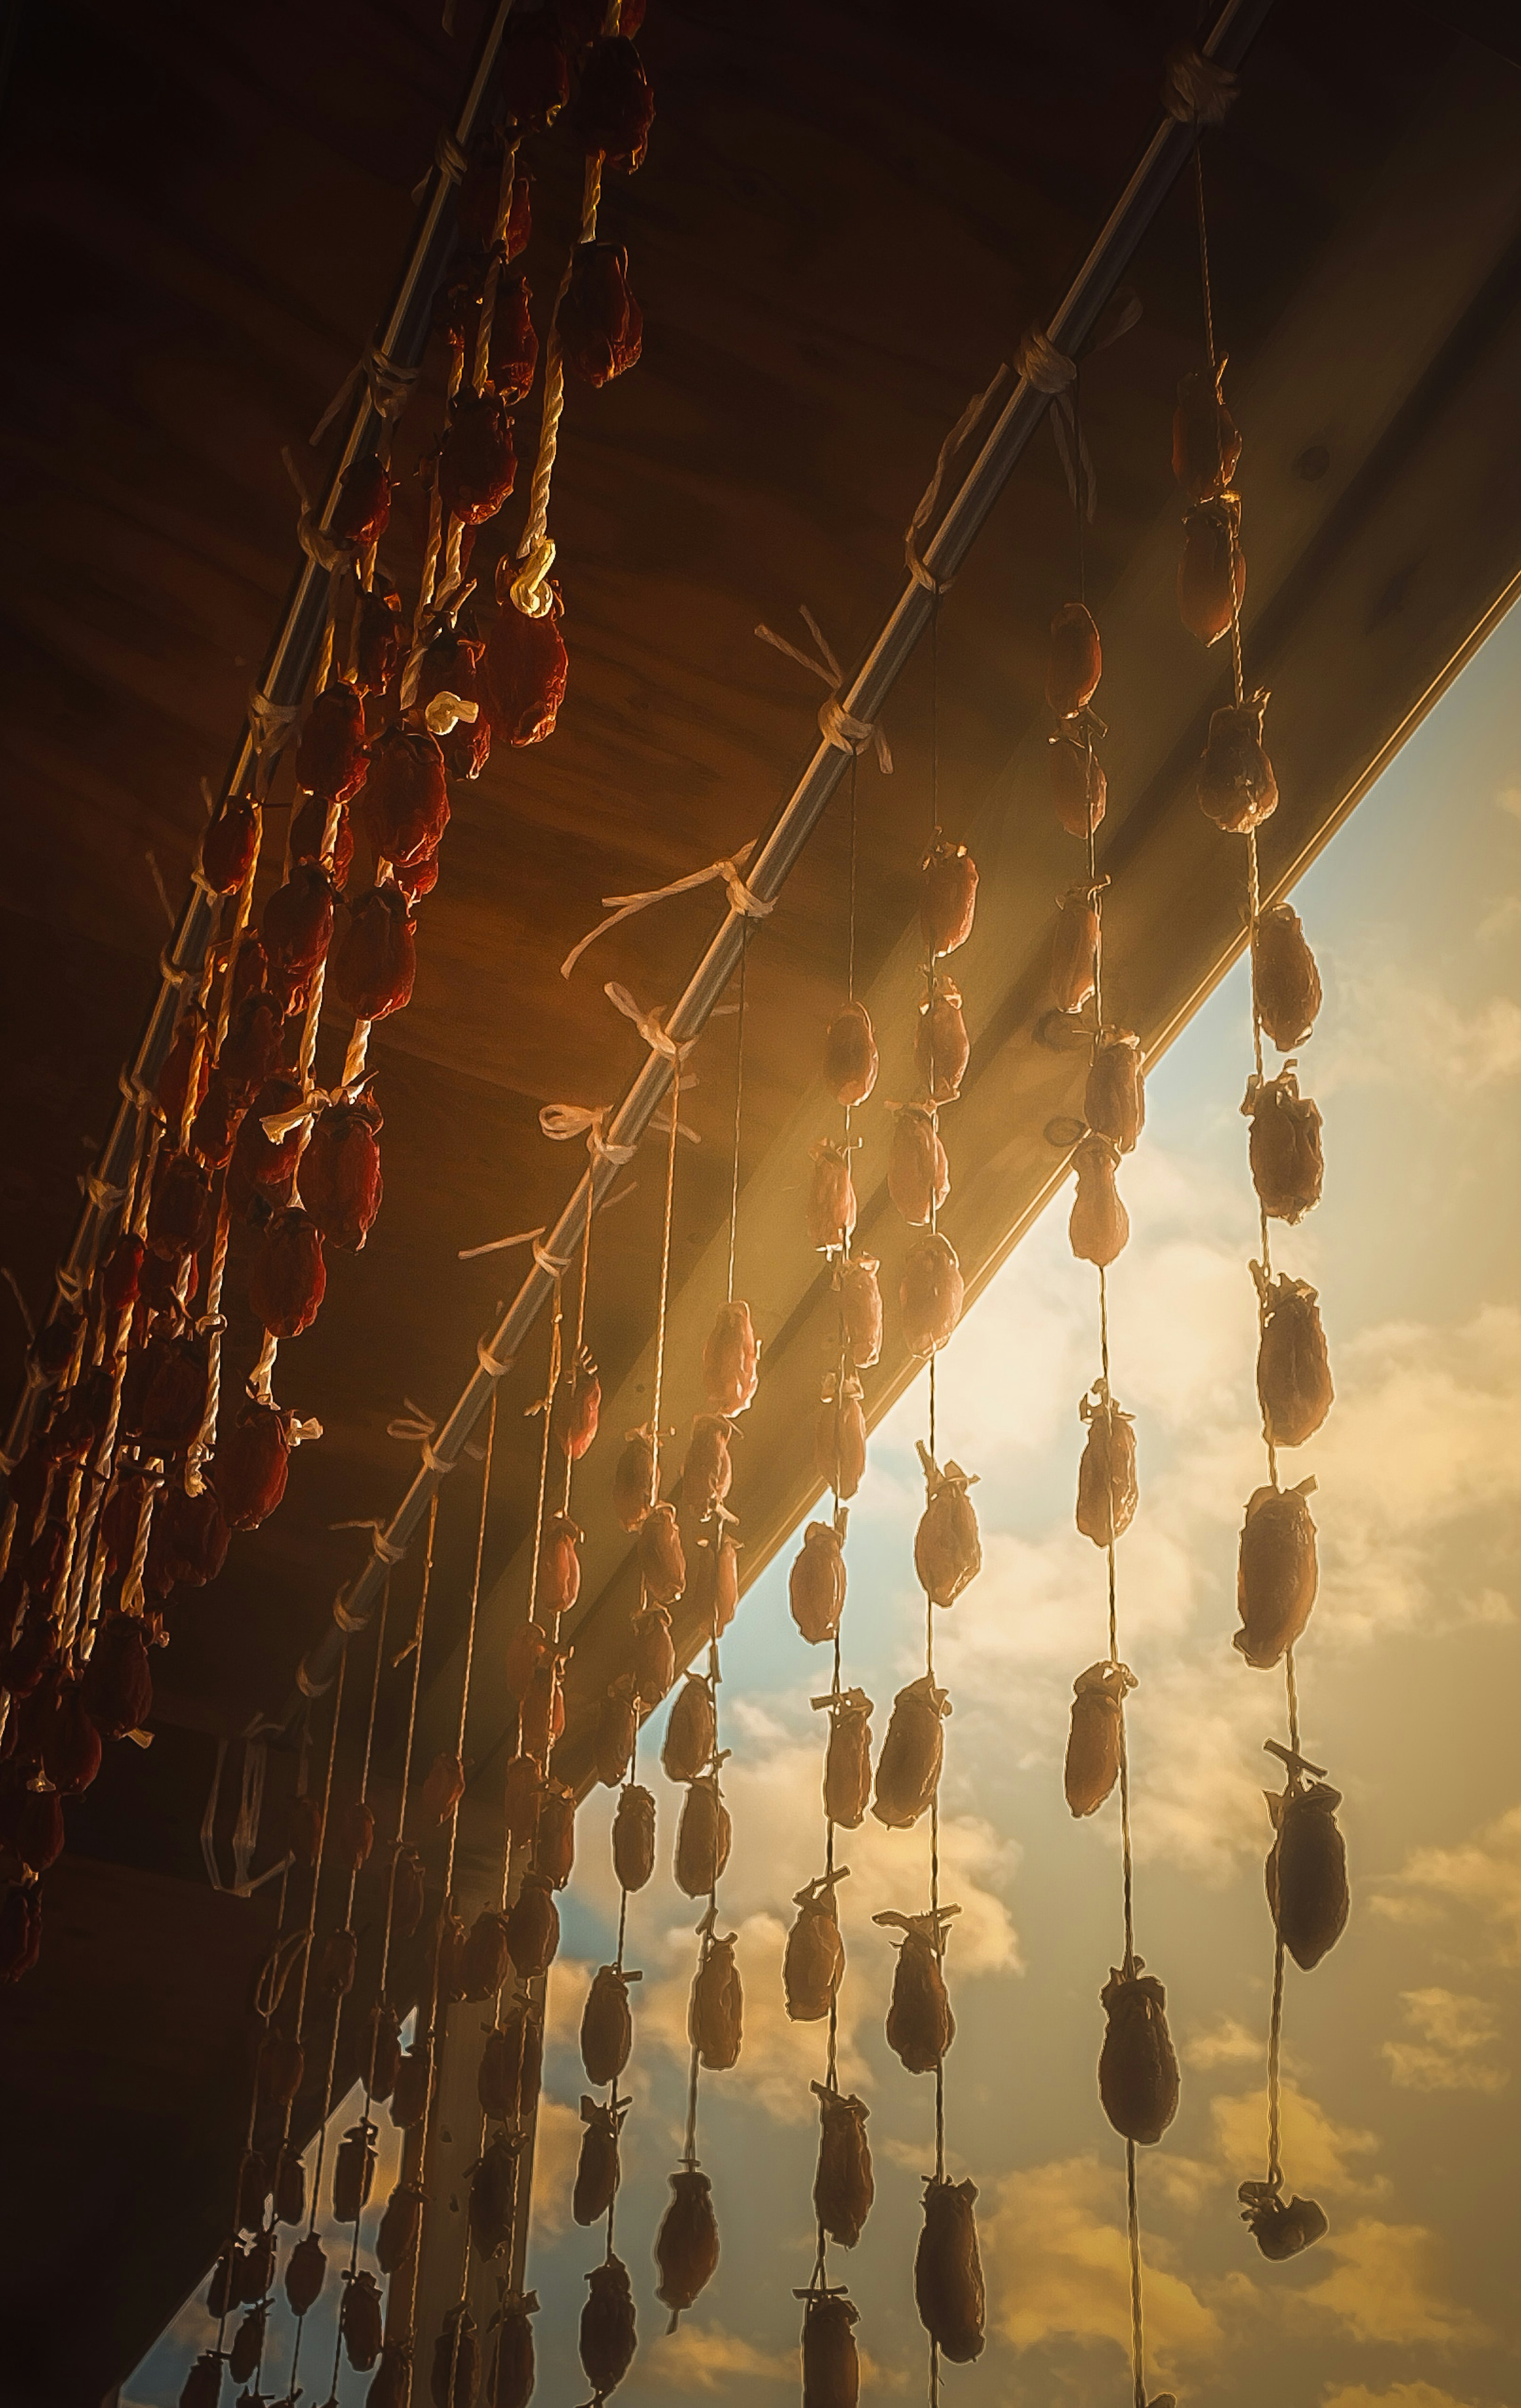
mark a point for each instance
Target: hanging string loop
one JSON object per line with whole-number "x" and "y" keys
{"x": 742, "y": 902}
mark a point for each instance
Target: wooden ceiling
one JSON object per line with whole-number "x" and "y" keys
{"x": 847, "y": 217}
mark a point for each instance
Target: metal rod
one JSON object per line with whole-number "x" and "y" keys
{"x": 767, "y": 872}
{"x": 287, "y": 665}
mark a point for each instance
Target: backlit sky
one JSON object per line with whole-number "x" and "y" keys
{"x": 1402, "y": 2115}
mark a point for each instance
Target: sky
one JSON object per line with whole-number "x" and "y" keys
{"x": 1401, "y": 2115}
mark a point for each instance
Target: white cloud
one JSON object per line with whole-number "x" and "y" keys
{"x": 1227, "y": 2042}
{"x": 1452, "y": 2029}
{"x": 705, "y": 2358}
{"x": 1401, "y": 2395}
{"x": 1483, "y": 1874}
{"x": 1389, "y": 2285}
{"x": 1057, "y": 2263}
{"x": 1395, "y": 1026}
{"x": 1321, "y": 2157}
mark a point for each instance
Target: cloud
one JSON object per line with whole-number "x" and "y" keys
{"x": 1402, "y": 2395}
{"x": 1227, "y": 2042}
{"x": 705, "y": 2358}
{"x": 1483, "y": 1874}
{"x": 1389, "y": 2286}
{"x": 1320, "y": 2155}
{"x": 1395, "y": 1027}
{"x": 1452, "y": 2029}
{"x": 1057, "y": 2264}
{"x": 556, "y": 2149}
{"x": 1508, "y": 800}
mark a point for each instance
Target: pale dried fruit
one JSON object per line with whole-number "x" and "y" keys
{"x": 930, "y": 1294}
{"x": 918, "y": 1173}
{"x": 860, "y": 1309}
{"x": 813, "y": 1964}
{"x": 948, "y": 2272}
{"x": 1074, "y": 946}
{"x": 634, "y": 1838}
{"x": 1284, "y": 1149}
{"x": 816, "y": 1583}
{"x": 1097, "y": 1738}
{"x": 654, "y": 1651}
{"x": 843, "y": 2188}
{"x": 731, "y": 1361}
{"x": 1276, "y": 1574}
{"x": 839, "y": 1438}
{"x": 947, "y": 1545}
{"x": 1308, "y": 1893}
{"x": 831, "y": 1197}
{"x": 850, "y": 1055}
{"x": 1285, "y": 983}
{"x": 909, "y": 1767}
{"x": 1114, "y": 1099}
{"x": 596, "y": 2168}
{"x": 703, "y": 1838}
{"x": 634, "y": 1479}
{"x": 607, "y": 2025}
{"x": 1294, "y": 1372}
{"x": 707, "y": 1471}
{"x": 1078, "y": 789}
{"x": 608, "y": 2327}
{"x": 715, "y": 2012}
{"x": 1138, "y": 2070}
{"x": 691, "y": 1734}
{"x": 847, "y": 1763}
{"x": 947, "y": 896}
{"x": 1075, "y": 662}
{"x": 1107, "y": 1493}
{"x": 1099, "y": 1229}
{"x": 920, "y": 2024}
{"x": 942, "y": 1047}
{"x": 686, "y": 2245}
{"x": 1237, "y": 788}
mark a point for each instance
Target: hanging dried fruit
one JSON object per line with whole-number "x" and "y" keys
{"x": 288, "y": 1277}
{"x": 1287, "y": 1165}
{"x": 376, "y": 963}
{"x": 391, "y": 2385}
{"x": 860, "y": 1309}
{"x": 608, "y": 2327}
{"x": 942, "y": 1047}
{"x": 831, "y": 2369}
{"x": 713, "y": 1586}
{"x": 1211, "y": 571}
{"x": 1096, "y": 1737}
{"x": 596, "y": 2167}
{"x": 947, "y": 896}
{"x": 1075, "y": 662}
{"x": 613, "y": 108}
{"x": 930, "y": 1294}
{"x": 526, "y": 669}
{"x": 380, "y": 2050}
{"x": 583, "y": 1410}
{"x": 847, "y": 1764}
{"x": 527, "y": 1652}
{"x": 203, "y": 2385}
{"x": 118, "y": 1685}
{"x": 1294, "y": 1372}
{"x": 442, "y": 1789}
{"x": 304, "y": 2275}
{"x": 247, "y": 2344}
{"x": 607, "y": 2025}
{"x": 1138, "y": 2072}
{"x": 554, "y": 1844}
{"x": 1308, "y": 1895}
{"x": 379, "y": 639}
{"x": 532, "y": 76}
{"x": 947, "y": 1546}
{"x": 281, "y": 2068}
{"x": 1237, "y": 788}
{"x": 512, "y": 2063}
{"x": 731, "y": 1362}
{"x": 478, "y": 466}
{"x": 494, "y": 2190}
{"x": 486, "y": 1962}
{"x": 456, "y": 2361}
{"x": 253, "y": 2190}
{"x": 515, "y": 345}
{"x": 533, "y": 1927}
{"x": 181, "y": 1214}
{"x": 257, "y": 2273}
{"x": 338, "y": 1965}
{"x": 703, "y": 1838}
{"x": 691, "y": 1733}
{"x": 405, "y": 805}
{"x": 252, "y": 1464}
{"x": 1114, "y": 1099}
{"x": 920, "y": 2024}
{"x": 617, "y": 1728}
{"x": 32, "y": 1826}
{"x": 948, "y": 2272}
{"x": 340, "y": 1172}
{"x": 918, "y": 1173}
{"x": 1206, "y": 440}
{"x": 1074, "y": 950}
{"x": 909, "y": 1767}
{"x": 816, "y": 1583}
{"x": 839, "y": 1437}
{"x": 1099, "y": 1229}
{"x": 831, "y": 1197}
{"x": 707, "y": 1471}
{"x": 354, "y": 1835}
{"x": 813, "y": 1964}
{"x": 171, "y": 1088}
{"x": 71, "y": 1748}
{"x": 413, "y": 2082}
{"x": 1107, "y": 1493}
{"x": 600, "y": 324}
{"x": 715, "y": 2012}
{"x": 559, "y": 1568}
{"x": 1078, "y": 789}
{"x": 843, "y": 2188}
{"x": 543, "y": 1709}
{"x": 1285, "y": 983}
{"x": 686, "y": 2245}
{"x": 850, "y": 1055}
{"x": 332, "y": 759}
{"x": 654, "y": 1651}
{"x": 634, "y": 1479}
{"x": 634, "y": 1837}
{"x": 1280, "y": 2228}
{"x": 1276, "y": 1574}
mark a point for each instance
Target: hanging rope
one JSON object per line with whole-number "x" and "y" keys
{"x": 837, "y": 725}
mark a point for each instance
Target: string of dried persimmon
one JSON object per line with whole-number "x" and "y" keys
{"x": 1138, "y": 2069}
{"x": 1277, "y": 1574}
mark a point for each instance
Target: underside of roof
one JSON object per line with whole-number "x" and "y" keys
{"x": 847, "y": 219}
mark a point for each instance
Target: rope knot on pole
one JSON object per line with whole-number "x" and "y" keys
{"x": 837, "y": 725}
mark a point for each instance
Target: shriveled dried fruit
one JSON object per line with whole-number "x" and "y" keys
{"x": 1074, "y": 947}
{"x": 554, "y": 1842}
{"x": 634, "y": 1838}
{"x": 398, "y": 2236}
{"x": 391, "y": 2385}
{"x": 930, "y": 1293}
{"x": 375, "y": 966}
{"x": 601, "y": 325}
{"x": 691, "y": 1733}
{"x": 920, "y": 2024}
{"x": 379, "y": 2049}
{"x": 850, "y": 1055}
{"x": 414, "y": 2081}
{"x": 456, "y": 2361}
{"x": 831, "y": 2368}
{"x": 731, "y": 1361}
{"x": 942, "y": 1047}
{"x": 405, "y": 805}
{"x": 715, "y": 2012}
{"x": 1099, "y": 1228}
{"x": 512, "y": 2063}
{"x": 909, "y": 1767}
{"x": 202, "y": 2386}
{"x": 338, "y": 1965}
{"x": 1284, "y": 1149}
{"x": 860, "y": 1309}
{"x": 839, "y": 1438}
{"x": 486, "y": 1962}
{"x": 354, "y": 1835}
{"x": 1211, "y": 571}
{"x": 379, "y": 639}
{"x": 533, "y": 1927}
{"x": 607, "y": 2025}
{"x": 1277, "y": 1573}
{"x": 1078, "y": 789}
{"x": 118, "y": 1685}
{"x": 843, "y": 2188}
{"x": 1280, "y": 2228}
{"x": 1075, "y": 662}
{"x": 288, "y": 1278}
{"x": 179, "y": 1215}
{"x": 362, "y": 511}
{"x": 947, "y": 896}
{"x": 71, "y": 1746}
{"x": 527, "y": 1652}
{"x": 654, "y": 1652}
{"x": 816, "y": 1583}
{"x": 304, "y": 2274}
{"x": 297, "y": 931}
{"x": 532, "y": 74}
{"x": 1285, "y": 983}
{"x": 189, "y": 1541}
{"x": 494, "y": 2190}
{"x": 252, "y": 1465}
{"x": 831, "y": 1197}
{"x": 331, "y": 758}
{"x": 703, "y": 1838}
{"x": 247, "y": 2344}
{"x": 514, "y": 343}
{"x": 686, "y": 2245}
{"x": 1096, "y": 1736}
{"x": 1237, "y": 788}
{"x": 354, "y": 2172}
{"x": 559, "y": 1568}
{"x": 257, "y": 2271}
{"x": 478, "y": 467}
{"x": 707, "y": 1471}
{"x": 847, "y": 1763}
{"x": 408, "y": 1892}
{"x": 615, "y": 107}
{"x": 608, "y": 2327}
{"x": 32, "y": 1826}
{"x": 1114, "y": 1099}
{"x": 1107, "y": 1493}
{"x": 527, "y": 669}
{"x": 813, "y": 1964}
{"x": 583, "y": 1410}
{"x": 948, "y": 2272}
{"x": 1206, "y": 440}
{"x": 442, "y": 1789}
{"x": 173, "y": 1083}
{"x": 596, "y": 2167}
{"x": 254, "y": 2174}
{"x": 713, "y": 1582}
{"x": 634, "y": 1479}
{"x": 617, "y": 1726}
{"x": 947, "y": 1546}
{"x": 918, "y": 1173}
{"x": 1138, "y": 2070}
{"x": 1294, "y": 1372}
{"x": 1308, "y": 1893}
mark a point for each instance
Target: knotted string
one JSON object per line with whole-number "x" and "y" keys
{"x": 928, "y": 499}
{"x": 835, "y": 724}
{"x": 648, "y": 1024}
{"x": 565, "y": 1120}
{"x": 742, "y": 903}
{"x": 390, "y": 390}
{"x": 1194, "y": 90}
